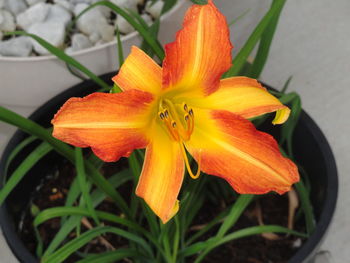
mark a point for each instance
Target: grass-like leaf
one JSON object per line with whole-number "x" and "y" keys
{"x": 23, "y": 168}
{"x": 264, "y": 46}
{"x": 64, "y": 252}
{"x": 200, "y": 2}
{"x": 239, "y": 61}
{"x": 113, "y": 256}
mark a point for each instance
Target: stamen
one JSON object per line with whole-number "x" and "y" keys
{"x": 189, "y": 170}
{"x": 190, "y": 112}
{"x": 166, "y": 113}
{"x": 187, "y": 117}
{"x": 185, "y": 107}
{"x": 173, "y": 124}
{"x": 161, "y": 115}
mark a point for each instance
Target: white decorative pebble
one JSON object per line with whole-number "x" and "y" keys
{"x": 35, "y": 14}
{"x": 75, "y": 2}
{"x": 66, "y": 4}
{"x": 154, "y": 9}
{"x": 94, "y": 37}
{"x": 147, "y": 18}
{"x": 33, "y": 2}
{"x": 15, "y": 6}
{"x": 2, "y": 3}
{"x": 69, "y": 50}
{"x": 53, "y": 32}
{"x": 18, "y": 47}
{"x": 123, "y": 25}
{"x": 126, "y": 4}
{"x": 58, "y": 13}
{"x": 80, "y": 41}
{"x": 8, "y": 21}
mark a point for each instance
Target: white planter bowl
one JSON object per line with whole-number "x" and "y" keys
{"x": 26, "y": 83}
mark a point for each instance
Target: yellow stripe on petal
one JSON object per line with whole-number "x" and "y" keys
{"x": 140, "y": 72}
{"x": 162, "y": 174}
{"x": 201, "y": 53}
{"x": 245, "y": 97}
{"x": 249, "y": 160}
{"x": 113, "y": 125}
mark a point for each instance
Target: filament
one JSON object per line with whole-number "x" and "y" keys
{"x": 193, "y": 176}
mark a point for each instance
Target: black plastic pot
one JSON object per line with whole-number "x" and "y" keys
{"x": 310, "y": 147}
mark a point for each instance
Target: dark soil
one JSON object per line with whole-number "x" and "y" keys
{"x": 256, "y": 249}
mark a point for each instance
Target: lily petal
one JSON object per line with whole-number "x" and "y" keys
{"x": 245, "y": 97}
{"x": 162, "y": 174}
{"x": 201, "y": 52}
{"x": 230, "y": 147}
{"x": 113, "y": 125}
{"x": 140, "y": 72}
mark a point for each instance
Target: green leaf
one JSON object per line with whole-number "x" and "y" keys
{"x": 64, "y": 252}
{"x": 237, "y": 209}
{"x": 210, "y": 244}
{"x": 264, "y": 46}
{"x": 62, "y": 56}
{"x": 23, "y": 168}
{"x": 243, "y": 54}
{"x": 83, "y": 184}
{"x": 306, "y": 206}
{"x": 200, "y": 2}
{"x": 113, "y": 256}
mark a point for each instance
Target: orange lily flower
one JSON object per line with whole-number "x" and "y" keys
{"x": 183, "y": 106}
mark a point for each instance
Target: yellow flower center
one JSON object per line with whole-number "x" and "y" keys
{"x": 179, "y": 122}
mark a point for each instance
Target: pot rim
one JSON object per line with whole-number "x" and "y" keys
{"x": 305, "y": 252}
{"x": 112, "y": 43}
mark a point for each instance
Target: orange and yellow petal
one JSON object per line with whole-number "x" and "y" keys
{"x": 140, "y": 72}
{"x": 245, "y": 97}
{"x": 113, "y": 125}
{"x": 230, "y": 147}
{"x": 162, "y": 174}
{"x": 200, "y": 54}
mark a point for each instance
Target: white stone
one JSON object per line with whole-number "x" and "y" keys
{"x": 18, "y": 47}
{"x": 94, "y": 22}
{"x": 58, "y": 13}
{"x": 2, "y": 3}
{"x": 1, "y": 35}
{"x": 8, "y": 21}
{"x": 154, "y": 9}
{"x": 53, "y": 32}
{"x": 147, "y": 18}
{"x": 75, "y": 2}
{"x": 33, "y": 2}
{"x": 80, "y": 41}
{"x": 94, "y": 37}
{"x": 69, "y": 50}
{"x": 35, "y": 14}
{"x": 126, "y": 4}
{"x": 123, "y": 25}
{"x": 66, "y": 4}
{"x": 15, "y": 6}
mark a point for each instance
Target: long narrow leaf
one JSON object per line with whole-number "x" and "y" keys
{"x": 264, "y": 46}
{"x": 113, "y": 256}
{"x": 243, "y": 54}
{"x": 23, "y": 168}
{"x": 79, "y": 164}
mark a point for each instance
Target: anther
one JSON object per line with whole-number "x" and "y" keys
{"x": 161, "y": 115}
{"x": 185, "y": 107}
{"x": 166, "y": 113}
{"x": 173, "y": 124}
{"x": 190, "y": 112}
{"x": 187, "y": 117}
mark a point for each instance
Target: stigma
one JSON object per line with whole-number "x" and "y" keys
{"x": 179, "y": 121}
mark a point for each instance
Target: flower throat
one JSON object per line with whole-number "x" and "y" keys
{"x": 179, "y": 122}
